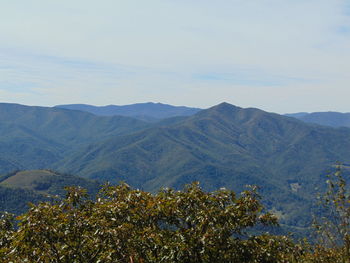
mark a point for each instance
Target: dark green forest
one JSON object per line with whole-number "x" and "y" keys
{"x": 19, "y": 188}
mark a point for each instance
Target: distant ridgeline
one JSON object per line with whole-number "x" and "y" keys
{"x": 223, "y": 146}
{"x": 333, "y": 119}
{"x": 143, "y": 111}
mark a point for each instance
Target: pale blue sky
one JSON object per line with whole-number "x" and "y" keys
{"x": 278, "y": 55}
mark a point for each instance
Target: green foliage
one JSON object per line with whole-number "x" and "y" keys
{"x": 127, "y": 225}
{"x": 191, "y": 226}
{"x": 6, "y": 233}
{"x": 333, "y": 228}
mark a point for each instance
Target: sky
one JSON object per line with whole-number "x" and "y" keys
{"x": 278, "y": 55}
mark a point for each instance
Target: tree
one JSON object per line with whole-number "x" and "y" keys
{"x": 6, "y": 233}
{"x": 333, "y": 228}
{"x": 127, "y": 225}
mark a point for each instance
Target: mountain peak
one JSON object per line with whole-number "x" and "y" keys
{"x": 225, "y": 107}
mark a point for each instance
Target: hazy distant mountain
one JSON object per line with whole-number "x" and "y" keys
{"x": 144, "y": 111}
{"x": 334, "y": 119}
{"x": 297, "y": 115}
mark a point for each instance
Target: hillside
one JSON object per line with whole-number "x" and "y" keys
{"x": 36, "y": 137}
{"x": 223, "y": 146}
{"x": 17, "y": 189}
{"x": 143, "y": 111}
{"x": 333, "y": 119}
{"x": 46, "y": 182}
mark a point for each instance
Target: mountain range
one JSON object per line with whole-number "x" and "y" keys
{"x": 144, "y": 111}
{"x": 223, "y": 146}
{"x": 153, "y": 112}
{"x": 330, "y": 118}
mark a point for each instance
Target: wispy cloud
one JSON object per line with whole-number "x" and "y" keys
{"x": 343, "y": 30}
{"x": 253, "y": 78}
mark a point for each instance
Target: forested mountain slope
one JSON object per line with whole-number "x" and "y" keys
{"x": 17, "y": 189}
{"x": 37, "y": 137}
{"x": 224, "y": 146}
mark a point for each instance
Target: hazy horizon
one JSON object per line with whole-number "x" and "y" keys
{"x": 280, "y": 56}
{"x": 176, "y": 105}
